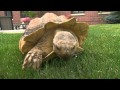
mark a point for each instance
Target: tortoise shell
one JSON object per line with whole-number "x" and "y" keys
{"x": 48, "y": 23}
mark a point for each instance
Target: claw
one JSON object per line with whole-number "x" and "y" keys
{"x": 35, "y": 61}
{"x": 23, "y": 67}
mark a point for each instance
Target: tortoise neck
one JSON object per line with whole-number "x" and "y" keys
{"x": 62, "y": 29}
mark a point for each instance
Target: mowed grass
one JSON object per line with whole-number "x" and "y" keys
{"x": 100, "y": 60}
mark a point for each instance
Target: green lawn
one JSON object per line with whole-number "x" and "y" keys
{"x": 101, "y": 58}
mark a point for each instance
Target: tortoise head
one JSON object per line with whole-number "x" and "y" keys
{"x": 65, "y": 43}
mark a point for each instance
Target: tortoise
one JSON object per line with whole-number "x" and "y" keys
{"x": 51, "y": 36}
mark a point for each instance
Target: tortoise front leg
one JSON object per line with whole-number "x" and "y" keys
{"x": 33, "y": 59}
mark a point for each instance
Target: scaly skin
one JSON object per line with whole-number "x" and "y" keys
{"x": 64, "y": 44}
{"x": 35, "y": 56}
{"x": 39, "y": 42}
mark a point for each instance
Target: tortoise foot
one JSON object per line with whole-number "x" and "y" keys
{"x": 33, "y": 59}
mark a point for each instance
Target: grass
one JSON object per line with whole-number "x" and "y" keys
{"x": 100, "y": 60}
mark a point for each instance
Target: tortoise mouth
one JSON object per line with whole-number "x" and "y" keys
{"x": 64, "y": 57}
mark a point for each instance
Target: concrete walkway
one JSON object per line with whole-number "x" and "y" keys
{"x": 12, "y": 31}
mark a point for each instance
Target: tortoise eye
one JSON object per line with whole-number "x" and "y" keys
{"x": 73, "y": 47}
{"x": 58, "y": 48}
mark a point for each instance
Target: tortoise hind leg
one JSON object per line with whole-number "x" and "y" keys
{"x": 33, "y": 59}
